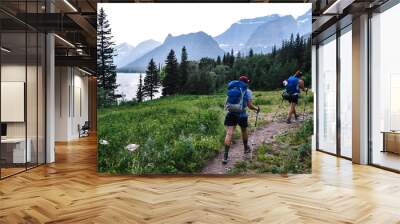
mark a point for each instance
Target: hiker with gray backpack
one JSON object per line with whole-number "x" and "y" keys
{"x": 239, "y": 96}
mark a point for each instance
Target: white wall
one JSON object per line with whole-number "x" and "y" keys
{"x": 62, "y": 82}
{"x": 17, "y": 73}
{"x": 12, "y": 73}
{"x": 81, "y": 109}
{"x": 33, "y": 126}
{"x": 71, "y": 102}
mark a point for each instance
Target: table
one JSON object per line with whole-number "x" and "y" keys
{"x": 391, "y": 141}
{"x": 15, "y": 148}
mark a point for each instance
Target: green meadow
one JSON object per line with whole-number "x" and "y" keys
{"x": 175, "y": 134}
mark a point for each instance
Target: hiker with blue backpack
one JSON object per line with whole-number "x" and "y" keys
{"x": 293, "y": 86}
{"x": 239, "y": 96}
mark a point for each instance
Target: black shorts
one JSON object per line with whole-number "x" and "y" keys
{"x": 293, "y": 99}
{"x": 234, "y": 119}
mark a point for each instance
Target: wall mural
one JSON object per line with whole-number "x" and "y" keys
{"x": 204, "y": 88}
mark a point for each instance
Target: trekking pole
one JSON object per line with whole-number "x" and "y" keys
{"x": 277, "y": 110}
{"x": 258, "y": 111}
{"x": 304, "y": 105}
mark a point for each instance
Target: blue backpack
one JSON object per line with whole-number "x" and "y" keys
{"x": 235, "y": 94}
{"x": 292, "y": 86}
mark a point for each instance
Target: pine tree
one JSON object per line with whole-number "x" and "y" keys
{"x": 231, "y": 59}
{"x": 218, "y": 60}
{"x": 251, "y": 52}
{"x": 224, "y": 61}
{"x": 151, "y": 81}
{"x": 139, "y": 92}
{"x": 291, "y": 39}
{"x": 239, "y": 55}
{"x": 106, "y": 70}
{"x": 298, "y": 41}
{"x": 298, "y": 51}
{"x": 274, "y": 51}
{"x": 170, "y": 81}
{"x": 183, "y": 69}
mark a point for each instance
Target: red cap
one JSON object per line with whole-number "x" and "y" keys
{"x": 244, "y": 78}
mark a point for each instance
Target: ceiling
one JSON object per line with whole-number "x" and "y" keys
{"x": 74, "y": 21}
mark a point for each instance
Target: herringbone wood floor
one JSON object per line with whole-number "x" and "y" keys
{"x": 70, "y": 191}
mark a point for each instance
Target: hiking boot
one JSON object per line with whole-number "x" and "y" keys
{"x": 247, "y": 149}
{"x": 296, "y": 117}
{"x": 288, "y": 121}
{"x": 225, "y": 161}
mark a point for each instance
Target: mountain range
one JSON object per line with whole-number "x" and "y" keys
{"x": 259, "y": 34}
{"x": 198, "y": 45}
{"x": 127, "y": 53}
{"x": 262, "y": 33}
{"x": 262, "y": 39}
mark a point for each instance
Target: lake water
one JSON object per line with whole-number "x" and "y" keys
{"x": 128, "y": 85}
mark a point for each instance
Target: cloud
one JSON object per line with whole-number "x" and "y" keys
{"x": 136, "y": 22}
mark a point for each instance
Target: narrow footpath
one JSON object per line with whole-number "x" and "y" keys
{"x": 263, "y": 134}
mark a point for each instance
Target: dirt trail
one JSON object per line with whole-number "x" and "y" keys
{"x": 263, "y": 134}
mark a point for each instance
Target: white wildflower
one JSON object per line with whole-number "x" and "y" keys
{"x": 103, "y": 142}
{"x": 132, "y": 147}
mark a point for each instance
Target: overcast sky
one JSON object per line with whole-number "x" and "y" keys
{"x": 136, "y": 22}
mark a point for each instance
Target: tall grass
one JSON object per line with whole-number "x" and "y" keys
{"x": 289, "y": 153}
{"x": 177, "y": 134}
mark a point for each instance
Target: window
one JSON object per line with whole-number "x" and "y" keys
{"x": 385, "y": 89}
{"x": 327, "y": 95}
{"x": 22, "y": 88}
{"x": 15, "y": 147}
{"x": 346, "y": 92}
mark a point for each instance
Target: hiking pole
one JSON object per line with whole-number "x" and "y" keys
{"x": 277, "y": 110}
{"x": 304, "y": 105}
{"x": 258, "y": 111}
